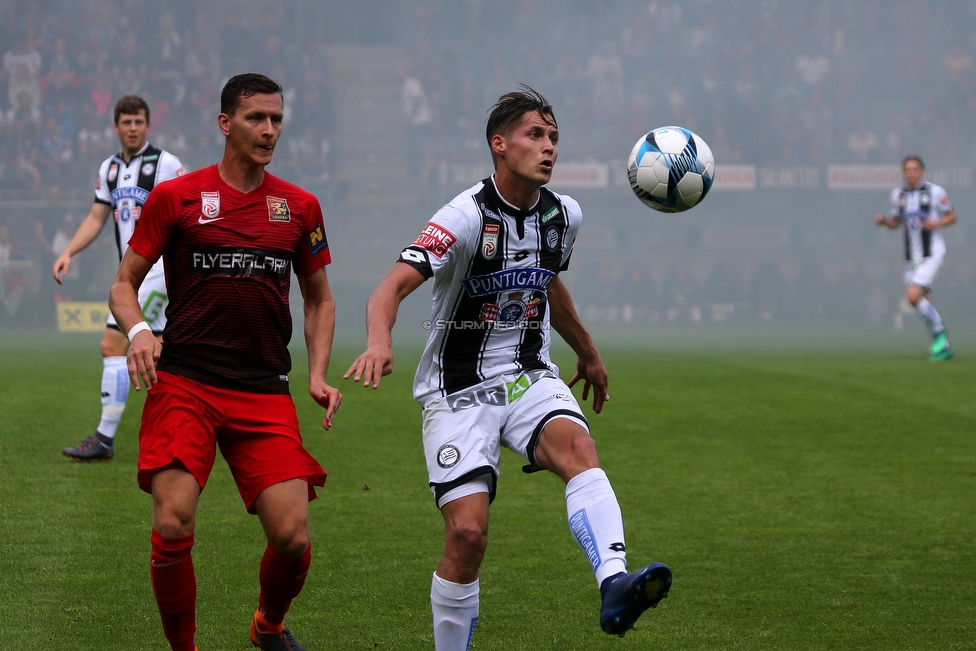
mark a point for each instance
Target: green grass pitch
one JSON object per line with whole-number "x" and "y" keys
{"x": 805, "y": 497}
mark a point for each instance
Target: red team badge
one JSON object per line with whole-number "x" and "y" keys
{"x": 436, "y": 239}
{"x": 209, "y": 205}
{"x": 278, "y": 210}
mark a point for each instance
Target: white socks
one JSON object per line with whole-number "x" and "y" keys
{"x": 931, "y": 315}
{"x": 455, "y": 608}
{"x": 596, "y": 523}
{"x": 115, "y": 389}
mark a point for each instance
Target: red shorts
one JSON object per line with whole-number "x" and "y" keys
{"x": 184, "y": 421}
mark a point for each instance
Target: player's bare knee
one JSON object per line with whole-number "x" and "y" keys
{"x": 174, "y": 522}
{"x": 290, "y": 536}
{"x": 468, "y": 535}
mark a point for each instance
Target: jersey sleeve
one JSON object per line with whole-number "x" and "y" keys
{"x": 894, "y": 201}
{"x": 159, "y": 217}
{"x": 169, "y": 167}
{"x": 441, "y": 241}
{"x": 102, "y": 194}
{"x": 574, "y": 219}
{"x": 940, "y": 199}
{"x": 312, "y": 252}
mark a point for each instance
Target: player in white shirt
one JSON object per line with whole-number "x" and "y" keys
{"x": 485, "y": 379}
{"x": 124, "y": 181}
{"x": 923, "y": 209}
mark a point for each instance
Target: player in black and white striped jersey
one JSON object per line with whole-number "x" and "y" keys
{"x": 123, "y": 183}
{"x": 485, "y": 379}
{"x": 923, "y": 209}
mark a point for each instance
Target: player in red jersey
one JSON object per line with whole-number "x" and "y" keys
{"x": 229, "y": 235}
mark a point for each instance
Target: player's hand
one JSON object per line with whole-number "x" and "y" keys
{"x": 143, "y": 355}
{"x": 327, "y": 397}
{"x": 371, "y": 366}
{"x": 879, "y": 220}
{"x": 594, "y": 375}
{"x": 61, "y": 266}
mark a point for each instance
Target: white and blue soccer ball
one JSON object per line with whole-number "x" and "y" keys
{"x": 671, "y": 169}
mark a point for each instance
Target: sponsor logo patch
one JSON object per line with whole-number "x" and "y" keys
{"x": 448, "y": 456}
{"x": 489, "y": 240}
{"x": 113, "y": 172}
{"x": 278, "y": 210}
{"x": 317, "y": 241}
{"x": 552, "y": 212}
{"x": 529, "y": 278}
{"x": 436, "y": 239}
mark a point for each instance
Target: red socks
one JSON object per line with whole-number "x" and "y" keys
{"x": 175, "y": 587}
{"x": 282, "y": 578}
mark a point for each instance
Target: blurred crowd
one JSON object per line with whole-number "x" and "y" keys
{"x": 65, "y": 64}
{"x": 767, "y": 82}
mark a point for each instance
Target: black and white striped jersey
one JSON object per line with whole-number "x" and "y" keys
{"x": 929, "y": 202}
{"x": 125, "y": 187}
{"x": 492, "y": 264}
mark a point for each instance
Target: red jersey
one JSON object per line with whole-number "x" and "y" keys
{"x": 228, "y": 259}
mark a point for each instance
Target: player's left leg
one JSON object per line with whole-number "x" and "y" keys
{"x": 283, "y": 511}
{"x": 920, "y": 280}
{"x": 115, "y": 389}
{"x": 565, "y": 448}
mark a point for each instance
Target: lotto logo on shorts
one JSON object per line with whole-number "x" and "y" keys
{"x": 448, "y": 456}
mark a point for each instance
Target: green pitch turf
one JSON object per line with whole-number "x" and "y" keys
{"x": 806, "y": 497}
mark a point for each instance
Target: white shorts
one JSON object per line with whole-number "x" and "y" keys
{"x": 923, "y": 273}
{"x": 463, "y": 432}
{"x": 152, "y": 299}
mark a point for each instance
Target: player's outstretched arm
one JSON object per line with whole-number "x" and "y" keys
{"x": 319, "y": 330}
{"x": 381, "y": 314}
{"x": 589, "y": 366}
{"x": 890, "y": 222}
{"x": 88, "y": 230}
{"x": 123, "y": 300}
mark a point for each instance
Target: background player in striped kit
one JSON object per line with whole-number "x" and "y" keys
{"x": 923, "y": 209}
{"x": 486, "y": 380}
{"x": 124, "y": 181}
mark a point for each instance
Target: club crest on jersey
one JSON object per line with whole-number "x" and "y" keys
{"x": 436, "y": 239}
{"x": 278, "y": 210}
{"x": 317, "y": 241}
{"x": 552, "y": 238}
{"x": 489, "y": 240}
{"x": 210, "y": 204}
{"x": 515, "y": 309}
{"x": 148, "y": 169}
{"x": 113, "y": 172}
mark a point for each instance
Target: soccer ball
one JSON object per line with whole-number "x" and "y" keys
{"x": 671, "y": 169}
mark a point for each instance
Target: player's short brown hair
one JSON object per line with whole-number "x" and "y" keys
{"x": 246, "y": 85}
{"x": 130, "y": 105}
{"x": 510, "y": 108}
{"x": 914, "y": 157}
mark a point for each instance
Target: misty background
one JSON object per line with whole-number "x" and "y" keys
{"x": 808, "y": 107}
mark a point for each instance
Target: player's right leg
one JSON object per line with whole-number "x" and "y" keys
{"x": 115, "y": 389}
{"x": 461, "y": 445}
{"x": 455, "y": 590}
{"x": 175, "y": 495}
